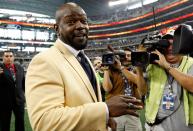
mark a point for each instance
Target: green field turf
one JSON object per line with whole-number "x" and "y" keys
{"x": 28, "y": 126}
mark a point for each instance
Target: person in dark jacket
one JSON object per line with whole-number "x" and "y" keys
{"x": 12, "y": 85}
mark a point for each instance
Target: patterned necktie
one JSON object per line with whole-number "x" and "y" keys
{"x": 87, "y": 68}
{"x": 12, "y": 73}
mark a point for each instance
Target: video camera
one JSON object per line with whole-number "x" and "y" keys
{"x": 183, "y": 44}
{"x": 183, "y": 39}
{"x": 109, "y": 58}
{"x": 151, "y": 44}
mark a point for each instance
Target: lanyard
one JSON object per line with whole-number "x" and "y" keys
{"x": 170, "y": 82}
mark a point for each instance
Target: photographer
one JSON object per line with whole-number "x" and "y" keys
{"x": 97, "y": 63}
{"x": 169, "y": 103}
{"x": 118, "y": 80}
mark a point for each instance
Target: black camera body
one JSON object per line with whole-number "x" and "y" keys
{"x": 145, "y": 58}
{"x": 109, "y": 58}
{"x": 160, "y": 45}
{"x": 183, "y": 39}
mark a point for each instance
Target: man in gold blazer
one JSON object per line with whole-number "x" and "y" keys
{"x": 59, "y": 92}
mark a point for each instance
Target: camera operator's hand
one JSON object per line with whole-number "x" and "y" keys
{"x": 105, "y": 68}
{"x": 122, "y": 105}
{"x": 117, "y": 64}
{"x": 162, "y": 60}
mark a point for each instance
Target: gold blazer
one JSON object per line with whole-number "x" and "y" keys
{"x": 59, "y": 95}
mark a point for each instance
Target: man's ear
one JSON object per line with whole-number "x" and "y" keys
{"x": 56, "y": 27}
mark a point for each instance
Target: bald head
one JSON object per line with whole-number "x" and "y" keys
{"x": 66, "y": 9}
{"x": 72, "y": 26}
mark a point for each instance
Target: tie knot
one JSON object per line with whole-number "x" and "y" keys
{"x": 81, "y": 54}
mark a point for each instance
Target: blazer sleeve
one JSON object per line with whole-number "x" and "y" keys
{"x": 46, "y": 106}
{"x": 22, "y": 75}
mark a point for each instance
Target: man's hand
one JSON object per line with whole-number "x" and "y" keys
{"x": 1, "y": 70}
{"x": 122, "y": 105}
{"x": 112, "y": 124}
{"x": 117, "y": 64}
{"x": 105, "y": 68}
{"x": 162, "y": 60}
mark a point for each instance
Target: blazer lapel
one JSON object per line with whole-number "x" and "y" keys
{"x": 97, "y": 81}
{"x": 77, "y": 67}
{"x": 17, "y": 70}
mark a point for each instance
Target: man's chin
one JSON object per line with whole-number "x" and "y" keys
{"x": 80, "y": 46}
{"x": 171, "y": 58}
{"x": 82, "y": 39}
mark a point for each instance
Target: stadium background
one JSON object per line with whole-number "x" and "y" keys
{"x": 30, "y": 32}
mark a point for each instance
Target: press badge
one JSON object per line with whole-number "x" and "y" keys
{"x": 168, "y": 101}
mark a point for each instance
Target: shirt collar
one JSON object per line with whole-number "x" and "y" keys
{"x": 9, "y": 66}
{"x": 70, "y": 48}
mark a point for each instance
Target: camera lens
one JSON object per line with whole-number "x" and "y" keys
{"x": 109, "y": 60}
